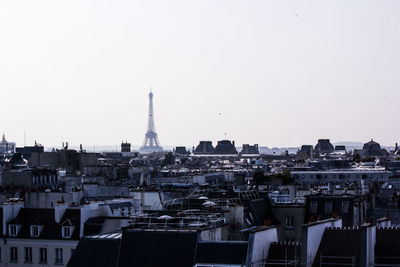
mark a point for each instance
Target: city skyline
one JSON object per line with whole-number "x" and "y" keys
{"x": 280, "y": 74}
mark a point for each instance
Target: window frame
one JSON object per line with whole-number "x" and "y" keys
{"x": 12, "y": 230}
{"x": 313, "y": 210}
{"x": 70, "y": 230}
{"x": 14, "y": 254}
{"x": 328, "y": 203}
{"x": 343, "y": 206}
{"x": 28, "y": 255}
{"x": 37, "y": 228}
{"x": 42, "y": 255}
{"x": 59, "y": 256}
{"x": 289, "y": 222}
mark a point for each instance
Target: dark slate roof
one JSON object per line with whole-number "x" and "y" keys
{"x": 225, "y": 147}
{"x": 93, "y": 226}
{"x": 260, "y": 210}
{"x": 341, "y": 243}
{"x": 181, "y": 150}
{"x": 372, "y": 145}
{"x": 72, "y": 217}
{"x": 221, "y": 252}
{"x": 387, "y": 245}
{"x": 204, "y": 147}
{"x": 280, "y": 252}
{"x": 95, "y": 253}
{"x": 324, "y": 146}
{"x": 248, "y": 149}
{"x": 142, "y": 248}
{"x": 46, "y": 218}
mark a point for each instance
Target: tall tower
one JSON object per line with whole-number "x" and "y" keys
{"x": 151, "y": 143}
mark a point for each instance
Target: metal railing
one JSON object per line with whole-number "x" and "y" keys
{"x": 337, "y": 261}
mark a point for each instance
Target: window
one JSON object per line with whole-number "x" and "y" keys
{"x": 13, "y": 254}
{"x": 12, "y": 230}
{"x": 66, "y": 232}
{"x": 313, "y": 206}
{"x": 28, "y": 255}
{"x": 43, "y": 255}
{"x": 345, "y": 206}
{"x": 328, "y": 207}
{"x": 35, "y": 231}
{"x": 59, "y": 255}
{"x": 289, "y": 221}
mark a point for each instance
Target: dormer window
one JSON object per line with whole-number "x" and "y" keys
{"x": 35, "y": 230}
{"x": 67, "y": 231}
{"x": 13, "y": 229}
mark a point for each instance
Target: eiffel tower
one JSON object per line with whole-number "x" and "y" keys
{"x": 151, "y": 143}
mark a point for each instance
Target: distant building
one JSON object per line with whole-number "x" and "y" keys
{"x": 225, "y": 147}
{"x": 340, "y": 148}
{"x": 290, "y": 217}
{"x": 6, "y": 146}
{"x": 38, "y": 237}
{"x": 181, "y": 150}
{"x": 27, "y": 151}
{"x": 321, "y": 207}
{"x": 125, "y": 147}
{"x": 308, "y": 178}
{"x": 305, "y": 152}
{"x": 31, "y": 178}
{"x": 324, "y": 146}
{"x": 250, "y": 150}
{"x": 49, "y": 236}
{"x": 370, "y": 149}
{"x": 68, "y": 159}
{"x": 204, "y": 147}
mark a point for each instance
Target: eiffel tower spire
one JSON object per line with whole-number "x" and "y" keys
{"x": 150, "y": 143}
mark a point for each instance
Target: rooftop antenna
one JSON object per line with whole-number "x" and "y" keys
{"x": 24, "y": 138}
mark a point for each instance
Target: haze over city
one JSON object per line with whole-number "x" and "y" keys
{"x": 276, "y": 73}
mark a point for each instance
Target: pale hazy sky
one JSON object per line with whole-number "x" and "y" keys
{"x": 280, "y": 73}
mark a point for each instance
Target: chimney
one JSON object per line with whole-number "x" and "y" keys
{"x": 368, "y": 240}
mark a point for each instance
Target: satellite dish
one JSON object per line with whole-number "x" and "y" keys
{"x": 209, "y": 204}
{"x": 164, "y": 217}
